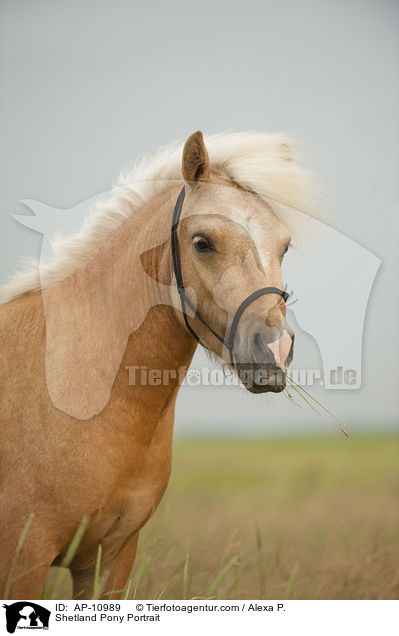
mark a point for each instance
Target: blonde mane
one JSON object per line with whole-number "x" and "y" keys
{"x": 259, "y": 162}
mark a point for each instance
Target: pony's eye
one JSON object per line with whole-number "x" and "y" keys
{"x": 202, "y": 244}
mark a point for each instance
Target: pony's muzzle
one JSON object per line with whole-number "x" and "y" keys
{"x": 262, "y": 356}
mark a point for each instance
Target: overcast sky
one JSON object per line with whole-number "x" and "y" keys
{"x": 86, "y": 87}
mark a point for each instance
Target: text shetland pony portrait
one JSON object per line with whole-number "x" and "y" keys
{"x": 77, "y": 439}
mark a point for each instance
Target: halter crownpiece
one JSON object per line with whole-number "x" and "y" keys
{"x": 185, "y": 301}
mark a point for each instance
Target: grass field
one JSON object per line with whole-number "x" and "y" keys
{"x": 273, "y": 519}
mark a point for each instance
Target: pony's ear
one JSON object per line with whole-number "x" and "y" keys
{"x": 195, "y": 159}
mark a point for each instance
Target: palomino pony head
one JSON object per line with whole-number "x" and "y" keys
{"x": 231, "y": 245}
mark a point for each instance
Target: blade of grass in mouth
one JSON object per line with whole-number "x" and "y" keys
{"x": 301, "y": 391}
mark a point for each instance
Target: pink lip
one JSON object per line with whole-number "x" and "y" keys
{"x": 280, "y": 349}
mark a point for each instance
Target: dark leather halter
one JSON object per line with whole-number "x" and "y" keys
{"x": 185, "y": 302}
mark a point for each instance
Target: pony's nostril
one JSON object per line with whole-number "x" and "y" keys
{"x": 258, "y": 340}
{"x": 275, "y": 351}
{"x": 260, "y": 348}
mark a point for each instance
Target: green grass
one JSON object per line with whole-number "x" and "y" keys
{"x": 303, "y": 518}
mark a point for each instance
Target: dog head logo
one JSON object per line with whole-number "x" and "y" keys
{"x": 26, "y": 615}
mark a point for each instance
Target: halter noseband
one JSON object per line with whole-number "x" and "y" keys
{"x": 185, "y": 302}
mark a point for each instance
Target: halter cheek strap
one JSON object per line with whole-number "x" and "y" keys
{"x": 185, "y": 301}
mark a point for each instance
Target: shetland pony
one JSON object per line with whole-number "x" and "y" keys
{"x": 79, "y": 440}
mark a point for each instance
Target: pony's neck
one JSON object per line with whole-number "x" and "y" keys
{"x": 162, "y": 336}
{"x": 155, "y": 362}
{"x": 118, "y": 310}
{"x": 160, "y": 350}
